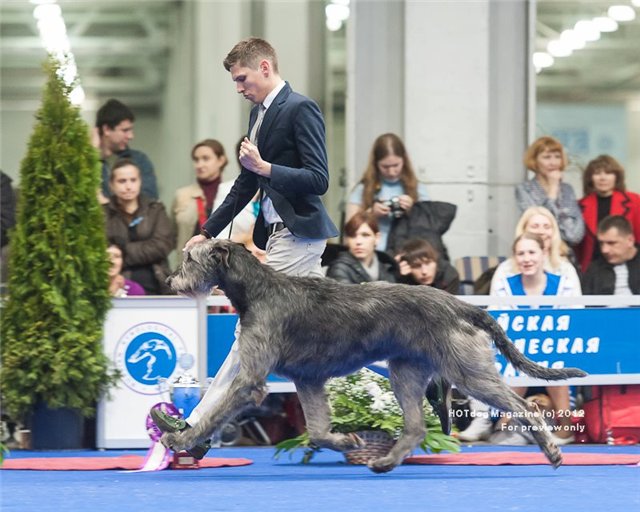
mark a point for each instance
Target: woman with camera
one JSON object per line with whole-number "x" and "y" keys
{"x": 389, "y": 187}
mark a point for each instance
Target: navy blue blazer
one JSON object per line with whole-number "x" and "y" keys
{"x": 292, "y": 139}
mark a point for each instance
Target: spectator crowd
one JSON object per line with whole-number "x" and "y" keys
{"x": 393, "y": 231}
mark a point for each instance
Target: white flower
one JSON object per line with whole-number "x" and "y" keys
{"x": 373, "y": 389}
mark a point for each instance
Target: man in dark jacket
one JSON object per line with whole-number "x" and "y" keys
{"x": 618, "y": 271}
{"x": 113, "y": 132}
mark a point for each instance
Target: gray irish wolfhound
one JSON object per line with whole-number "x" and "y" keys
{"x": 309, "y": 330}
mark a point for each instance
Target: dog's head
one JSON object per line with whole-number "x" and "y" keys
{"x": 204, "y": 267}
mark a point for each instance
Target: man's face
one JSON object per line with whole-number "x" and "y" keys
{"x": 252, "y": 83}
{"x": 615, "y": 247}
{"x": 117, "y": 138}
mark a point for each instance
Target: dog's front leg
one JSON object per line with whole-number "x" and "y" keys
{"x": 408, "y": 382}
{"x": 318, "y": 419}
{"x": 243, "y": 392}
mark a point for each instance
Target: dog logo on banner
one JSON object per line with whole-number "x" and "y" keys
{"x": 147, "y": 354}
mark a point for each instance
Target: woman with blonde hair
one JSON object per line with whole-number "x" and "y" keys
{"x": 547, "y": 159}
{"x": 540, "y": 221}
{"x": 389, "y": 187}
{"x": 530, "y": 258}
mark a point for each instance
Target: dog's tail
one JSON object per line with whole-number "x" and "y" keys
{"x": 522, "y": 363}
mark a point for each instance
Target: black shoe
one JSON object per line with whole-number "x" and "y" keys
{"x": 167, "y": 423}
{"x": 439, "y": 396}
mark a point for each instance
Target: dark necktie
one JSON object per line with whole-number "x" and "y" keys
{"x": 255, "y": 130}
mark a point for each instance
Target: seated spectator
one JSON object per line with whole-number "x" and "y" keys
{"x": 389, "y": 187}
{"x": 618, "y": 271}
{"x": 120, "y": 286}
{"x": 546, "y": 158}
{"x": 604, "y": 194}
{"x": 362, "y": 263}
{"x": 140, "y": 226}
{"x": 540, "y": 221}
{"x": 194, "y": 203}
{"x": 420, "y": 263}
{"x": 111, "y": 136}
{"x": 531, "y": 279}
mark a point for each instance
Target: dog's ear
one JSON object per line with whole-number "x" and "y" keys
{"x": 220, "y": 254}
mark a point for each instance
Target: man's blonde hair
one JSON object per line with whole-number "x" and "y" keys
{"x": 249, "y": 53}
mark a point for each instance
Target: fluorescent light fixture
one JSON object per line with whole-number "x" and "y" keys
{"x": 621, "y": 13}
{"x": 605, "y": 24}
{"x": 636, "y": 3}
{"x": 336, "y": 13}
{"x": 559, "y": 48}
{"x": 573, "y": 39}
{"x": 542, "y": 60}
{"x": 587, "y": 30}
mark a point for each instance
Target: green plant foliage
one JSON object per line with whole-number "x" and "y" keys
{"x": 58, "y": 297}
{"x": 364, "y": 401}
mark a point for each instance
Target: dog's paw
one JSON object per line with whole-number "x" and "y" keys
{"x": 554, "y": 455}
{"x": 351, "y": 441}
{"x": 382, "y": 464}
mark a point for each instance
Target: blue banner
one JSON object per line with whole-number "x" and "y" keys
{"x": 604, "y": 342}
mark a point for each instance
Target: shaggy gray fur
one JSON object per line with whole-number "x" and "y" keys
{"x": 309, "y": 330}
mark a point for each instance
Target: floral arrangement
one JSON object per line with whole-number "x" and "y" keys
{"x": 364, "y": 401}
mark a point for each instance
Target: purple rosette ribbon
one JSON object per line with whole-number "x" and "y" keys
{"x": 159, "y": 456}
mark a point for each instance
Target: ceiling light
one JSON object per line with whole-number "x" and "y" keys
{"x": 605, "y": 24}
{"x": 621, "y": 12}
{"x": 588, "y": 30}
{"x": 47, "y": 11}
{"x": 636, "y": 3}
{"x": 542, "y": 60}
{"x": 573, "y": 39}
{"x": 559, "y": 48}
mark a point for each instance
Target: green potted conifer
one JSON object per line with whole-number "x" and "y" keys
{"x": 53, "y": 366}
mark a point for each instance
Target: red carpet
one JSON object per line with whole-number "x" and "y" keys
{"x": 524, "y": 459}
{"x": 97, "y": 463}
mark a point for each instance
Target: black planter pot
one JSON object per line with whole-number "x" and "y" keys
{"x": 56, "y": 429}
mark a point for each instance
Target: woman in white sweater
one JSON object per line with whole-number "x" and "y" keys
{"x": 540, "y": 221}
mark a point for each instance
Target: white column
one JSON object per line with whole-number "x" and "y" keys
{"x": 465, "y": 113}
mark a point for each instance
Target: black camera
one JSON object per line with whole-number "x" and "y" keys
{"x": 394, "y": 204}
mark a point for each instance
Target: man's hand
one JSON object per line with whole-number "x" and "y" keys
{"x": 194, "y": 240}
{"x": 251, "y": 160}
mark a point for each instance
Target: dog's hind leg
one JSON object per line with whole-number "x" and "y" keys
{"x": 493, "y": 391}
{"x": 409, "y": 381}
{"x": 317, "y": 416}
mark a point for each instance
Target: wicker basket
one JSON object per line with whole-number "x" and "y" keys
{"x": 378, "y": 444}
